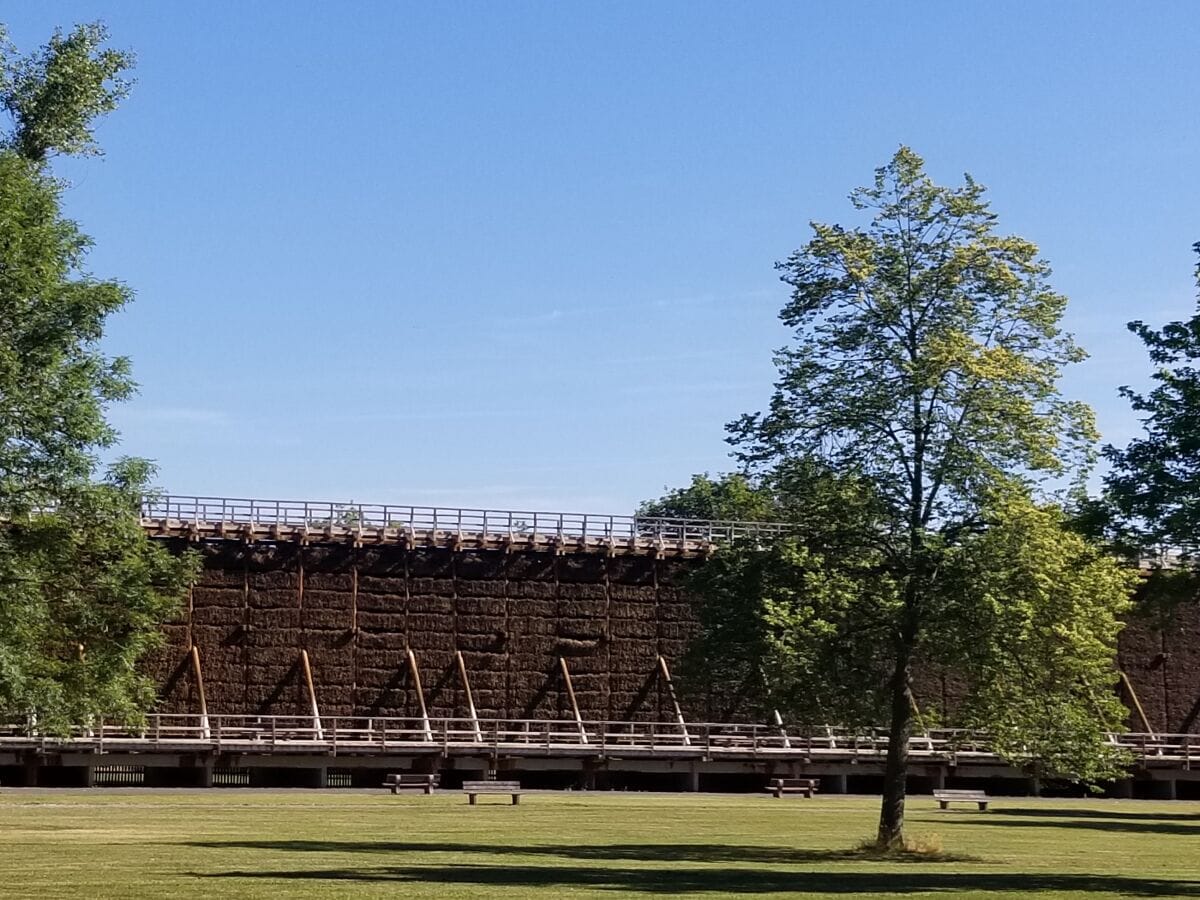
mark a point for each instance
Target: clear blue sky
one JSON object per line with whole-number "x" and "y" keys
{"x": 520, "y": 254}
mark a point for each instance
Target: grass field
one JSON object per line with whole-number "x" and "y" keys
{"x": 92, "y": 844}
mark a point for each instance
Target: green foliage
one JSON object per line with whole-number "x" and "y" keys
{"x": 85, "y": 594}
{"x": 732, "y": 497}
{"x": 82, "y": 592}
{"x": 1154, "y": 483}
{"x": 55, "y": 94}
{"x": 54, "y": 379}
{"x": 1029, "y": 612}
{"x": 922, "y": 384}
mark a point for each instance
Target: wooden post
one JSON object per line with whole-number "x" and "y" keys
{"x": 462, "y": 673}
{"x": 199, "y": 676}
{"x": 787, "y": 745}
{"x": 416, "y": 678}
{"x": 312, "y": 695}
{"x": 566, "y": 674}
{"x": 666, "y": 675}
{"x": 1137, "y": 704}
{"x": 920, "y": 721}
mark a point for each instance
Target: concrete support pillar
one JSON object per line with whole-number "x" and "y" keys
{"x": 693, "y": 779}
{"x": 1163, "y": 789}
{"x": 833, "y": 784}
{"x": 939, "y": 778}
{"x": 1123, "y": 788}
{"x": 587, "y": 777}
{"x": 316, "y": 777}
{"x": 1034, "y": 786}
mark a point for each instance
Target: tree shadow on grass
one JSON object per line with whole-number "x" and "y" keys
{"x": 743, "y": 881}
{"x": 1126, "y": 827}
{"x": 1125, "y": 815}
{"x": 705, "y": 853}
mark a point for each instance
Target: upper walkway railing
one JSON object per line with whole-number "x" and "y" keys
{"x": 292, "y": 514}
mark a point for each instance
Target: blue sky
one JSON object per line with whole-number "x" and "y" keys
{"x": 520, "y": 255}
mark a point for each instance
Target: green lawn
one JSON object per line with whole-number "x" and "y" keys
{"x": 218, "y": 843}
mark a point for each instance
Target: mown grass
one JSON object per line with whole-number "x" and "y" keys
{"x": 222, "y": 844}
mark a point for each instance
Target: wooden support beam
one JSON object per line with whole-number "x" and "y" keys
{"x": 312, "y": 695}
{"x": 666, "y": 676}
{"x": 466, "y": 682}
{"x": 566, "y": 674}
{"x": 1137, "y": 704}
{"x": 199, "y": 676}
{"x": 416, "y": 680}
{"x": 912, "y": 699}
{"x": 787, "y": 744}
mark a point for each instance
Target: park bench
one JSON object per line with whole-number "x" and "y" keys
{"x": 402, "y": 782}
{"x": 945, "y": 798}
{"x": 474, "y": 788}
{"x": 781, "y": 786}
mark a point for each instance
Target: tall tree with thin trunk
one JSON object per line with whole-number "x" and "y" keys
{"x": 82, "y": 592}
{"x": 924, "y": 366}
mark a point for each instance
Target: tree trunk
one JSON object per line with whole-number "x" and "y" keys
{"x": 895, "y": 777}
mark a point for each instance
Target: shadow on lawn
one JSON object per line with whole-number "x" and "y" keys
{"x": 744, "y": 881}
{"x": 1125, "y": 815}
{"x": 1068, "y": 820}
{"x": 706, "y": 853}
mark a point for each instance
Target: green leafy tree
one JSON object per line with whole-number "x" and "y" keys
{"x": 924, "y": 370}
{"x": 82, "y": 592}
{"x": 733, "y": 497}
{"x": 1154, "y": 482}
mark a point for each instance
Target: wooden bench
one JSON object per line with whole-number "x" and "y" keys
{"x": 474, "y": 788}
{"x": 781, "y": 786}
{"x": 945, "y": 798}
{"x": 402, "y": 782}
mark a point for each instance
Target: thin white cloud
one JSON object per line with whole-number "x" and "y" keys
{"x": 173, "y": 415}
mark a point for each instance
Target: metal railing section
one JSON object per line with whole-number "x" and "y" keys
{"x": 320, "y": 515}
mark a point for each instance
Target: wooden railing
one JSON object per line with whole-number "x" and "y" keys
{"x": 320, "y": 515}
{"x": 292, "y": 734}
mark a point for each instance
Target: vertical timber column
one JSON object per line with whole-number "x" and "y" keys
{"x": 191, "y": 610}
{"x": 354, "y": 559}
{"x": 1165, "y": 668}
{"x": 244, "y": 646}
{"x": 658, "y": 638}
{"x": 300, "y": 596}
{"x": 509, "y": 708}
{"x": 458, "y": 693}
{"x": 407, "y": 589}
{"x": 191, "y": 636}
{"x": 608, "y": 710}
{"x": 305, "y": 669}
{"x": 558, "y": 617}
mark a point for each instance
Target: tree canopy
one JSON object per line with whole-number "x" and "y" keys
{"x": 921, "y": 389}
{"x": 82, "y": 592}
{"x": 1154, "y": 482}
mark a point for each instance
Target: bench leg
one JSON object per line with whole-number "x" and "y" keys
{"x": 808, "y": 793}
{"x": 983, "y": 805}
{"x": 471, "y": 799}
{"x": 395, "y": 789}
{"x": 944, "y": 804}
{"x": 516, "y": 799}
{"x": 428, "y": 789}
{"x": 778, "y": 793}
